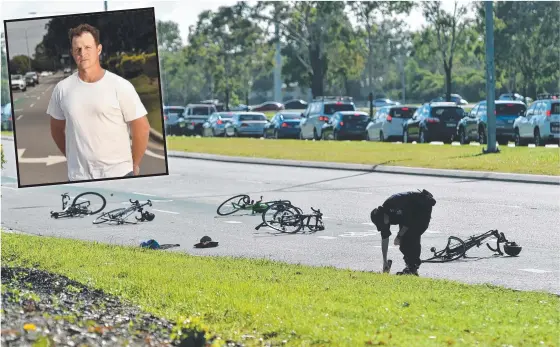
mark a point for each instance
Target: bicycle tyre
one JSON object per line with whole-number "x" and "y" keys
{"x": 447, "y": 255}
{"x": 112, "y": 212}
{"x": 74, "y": 202}
{"x": 317, "y": 226}
{"x": 289, "y": 219}
{"x": 277, "y": 206}
{"x": 246, "y": 199}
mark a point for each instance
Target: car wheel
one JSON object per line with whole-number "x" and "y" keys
{"x": 463, "y": 136}
{"x": 381, "y": 136}
{"x": 538, "y": 139}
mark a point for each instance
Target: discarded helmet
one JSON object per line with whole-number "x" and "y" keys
{"x": 148, "y": 216}
{"x": 512, "y": 248}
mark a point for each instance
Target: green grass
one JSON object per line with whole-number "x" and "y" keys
{"x": 7, "y": 133}
{"x": 303, "y": 305}
{"x": 148, "y": 91}
{"x": 540, "y": 160}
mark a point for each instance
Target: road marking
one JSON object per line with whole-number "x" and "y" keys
{"x": 19, "y": 117}
{"x": 152, "y": 154}
{"x": 50, "y": 160}
{"x": 368, "y": 223}
{"x": 503, "y": 205}
{"x": 38, "y": 98}
{"x": 160, "y": 200}
{"x": 232, "y": 222}
{"x": 353, "y": 191}
{"x": 32, "y": 105}
{"x": 249, "y": 181}
{"x": 49, "y": 88}
{"x": 6, "y": 187}
{"x": 433, "y": 232}
{"x": 391, "y": 247}
{"x": 18, "y": 109}
{"x": 358, "y": 234}
{"x": 143, "y": 194}
{"x": 535, "y": 271}
{"x": 164, "y": 211}
{"x": 327, "y": 237}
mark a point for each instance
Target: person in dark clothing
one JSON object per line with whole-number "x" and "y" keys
{"x": 412, "y": 211}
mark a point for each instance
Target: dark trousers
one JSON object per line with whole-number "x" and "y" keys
{"x": 131, "y": 173}
{"x": 411, "y": 248}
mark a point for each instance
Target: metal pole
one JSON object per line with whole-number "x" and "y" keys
{"x": 278, "y": 66}
{"x": 28, "y": 55}
{"x": 105, "y": 4}
{"x": 490, "y": 82}
{"x": 402, "y": 79}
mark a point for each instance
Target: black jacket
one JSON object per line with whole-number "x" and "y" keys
{"x": 412, "y": 209}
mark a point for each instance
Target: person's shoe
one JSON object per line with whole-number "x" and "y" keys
{"x": 408, "y": 271}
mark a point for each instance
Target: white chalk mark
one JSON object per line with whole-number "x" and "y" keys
{"x": 535, "y": 271}
{"x": 368, "y": 223}
{"x": 327, "y": 237}
{"x": 232, "y": 222}
{"x": 433, "y": 232}
{"x": 164, "y": 211}
{"x": 143, "y": 194}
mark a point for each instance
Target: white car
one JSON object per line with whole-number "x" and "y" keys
{"x": 540, "y": 123}
{"x": 387, "y": 123}
{"x": 18, "y": 82}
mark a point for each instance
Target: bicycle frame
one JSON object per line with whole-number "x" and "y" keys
{"x": 71, "y": 210}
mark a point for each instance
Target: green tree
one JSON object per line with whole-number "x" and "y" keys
{"x": 169, "y": 38}
{"x": 449, "y": 30}
{"x": 4, "y": 83}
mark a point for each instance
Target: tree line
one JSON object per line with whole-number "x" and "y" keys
{"x": 354, "y": 48}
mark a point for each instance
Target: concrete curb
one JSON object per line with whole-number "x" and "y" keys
{"x": 466, "y": 174}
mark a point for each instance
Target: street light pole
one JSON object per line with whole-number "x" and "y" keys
{"x": 28, "y": 55}
{"x": 105, "y": 4}
{"x": 490, "y": 82}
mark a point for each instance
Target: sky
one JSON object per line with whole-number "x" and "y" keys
{"x": 184, "y": 12}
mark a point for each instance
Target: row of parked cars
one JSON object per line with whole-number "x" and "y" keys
{"x": 29, "y": 79}
{"x": 337, "y": 118}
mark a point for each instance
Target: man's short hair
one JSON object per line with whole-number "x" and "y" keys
{"x": 84, "y": 28}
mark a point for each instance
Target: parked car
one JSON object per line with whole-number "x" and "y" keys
{"x": 474, "y": 126}
{"x": 319, "y": 112}
{"x": 387, "y": 123}
{"x": 246, "y": 124}
{"x": 215, "y": 124}
{"x": 284, "y": 124}
{"x": 174, "y": 120}
{"x": 540, "y": 123}
{"x": 33, "y": 75}
{"x": 18, "y": 82}
{"x": 196, "y": 115}
{"x": 29, "y": 80}
{"x": 268, "y": 106}
{"x": 346, "y": 125}
{"x": 456, "y": 98}
{"x": 295, "y": 104}
{"x": 217, "y": 104}
{"x": 7, "y": 121}
{"x": 434, "y": 121}
{"x": 377, "y": 103}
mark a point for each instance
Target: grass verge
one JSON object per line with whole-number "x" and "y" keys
{"x": 149, "y": 93}
{"x": 7, "y": 133}
{"x": 524, "y": 160}
{"x": 298, "y": 304}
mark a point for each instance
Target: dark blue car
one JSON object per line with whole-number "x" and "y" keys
{"x": 284, "y": 124}
{"x": 346, "y": 125}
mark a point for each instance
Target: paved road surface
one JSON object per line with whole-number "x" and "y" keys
{"x": 185, "y": 206}
{"x": 35, "y": 144}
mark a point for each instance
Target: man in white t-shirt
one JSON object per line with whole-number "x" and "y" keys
{"x": 91, "y": 113}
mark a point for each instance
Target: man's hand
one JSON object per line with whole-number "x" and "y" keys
{"x": 140, "y": 131}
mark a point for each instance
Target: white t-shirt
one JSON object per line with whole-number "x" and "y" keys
{"x": 97, "y": 135}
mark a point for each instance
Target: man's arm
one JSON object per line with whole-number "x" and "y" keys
{"x": 140, "y": 133}
{"x": 58, "y": 134}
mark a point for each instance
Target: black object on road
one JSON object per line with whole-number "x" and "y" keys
{"x": 206, "y": 242}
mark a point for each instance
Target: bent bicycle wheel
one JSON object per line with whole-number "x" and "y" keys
{"x": 454, "y": 250}
{"x": 240, "y": 200}
{"x": 91, "y": 202}
{"x": 114, "y": 215}
{"x": 274, "y": 211}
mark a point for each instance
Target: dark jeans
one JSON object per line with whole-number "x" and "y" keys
{"x": 411, "y": 248}
{"x": 131, "y": 173}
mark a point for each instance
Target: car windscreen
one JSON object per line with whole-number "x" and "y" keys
{"x": 226, "y": 116}
{"x": 402, "y": 112}
{"x": 200, "y": 111}
{"x": 332, "y": 108}
{"x": 555, "y": 108}
{"x": 172, "y": 111}
{"x": 448, "y": 113}
{"x": 16, "y": 77}
{"x": 291, "y": 116}
{"x": 252, "y": 117}
{"x": 510, "y": 109}
{"x": 355, "y": 118}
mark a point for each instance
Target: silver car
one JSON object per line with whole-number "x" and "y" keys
{"x": 246, "y": 124}
{"x": 18, "y": 82}
{"x": 387, "y": 123}
{"x": 216, "y": 124}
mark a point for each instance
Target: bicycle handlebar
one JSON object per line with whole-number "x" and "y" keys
{"x": 316, "y": 210}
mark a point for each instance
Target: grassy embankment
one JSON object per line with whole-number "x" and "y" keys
{"x": 298, "y": 304}
{"x": 149, "y": 93}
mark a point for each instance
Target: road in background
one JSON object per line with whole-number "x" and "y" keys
{"x": 40, "y": 161}
{"x": 185, "y": 205}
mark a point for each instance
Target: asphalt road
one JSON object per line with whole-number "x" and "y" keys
{"x": 40, "y": 161}
{"x": 185, "y": 205}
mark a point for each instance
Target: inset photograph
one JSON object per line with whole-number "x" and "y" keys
{"x": 86, "y": 97}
